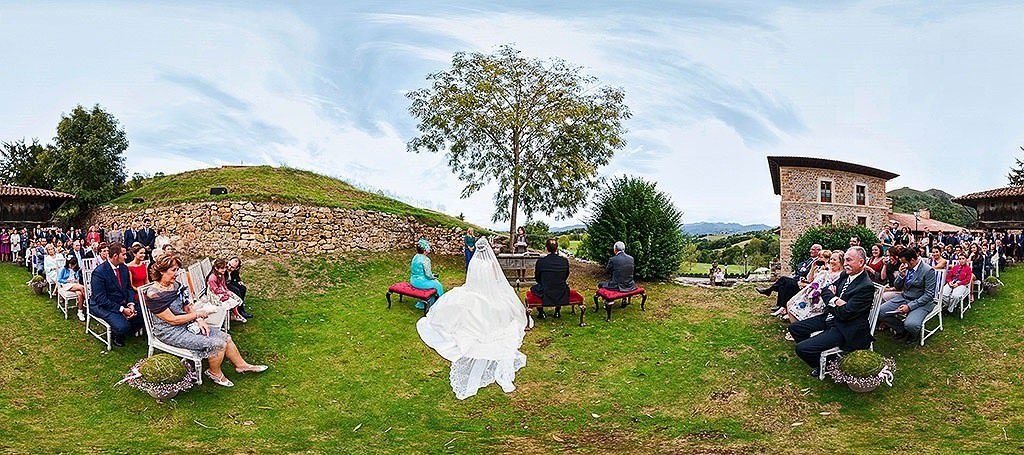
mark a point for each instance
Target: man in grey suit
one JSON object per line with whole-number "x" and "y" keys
{"x": 620, "y": 265}
{"x": 915, "y": 301}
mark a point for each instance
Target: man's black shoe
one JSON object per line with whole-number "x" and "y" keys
{"x": 815, "y": 373}
{"x": 540, "y": 314}
{"x": 558, "y": 314}
{"x": 912, "y": 338}
{"x": 245, "y": 314}
{"x": 900, "y": 336}
{"x": 119, "y": 342}
{"x": 764, "y": 291}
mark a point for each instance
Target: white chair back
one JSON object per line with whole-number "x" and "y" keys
{"x": 88, "y": 264}
{"x": 147, "y": 316}
{"x": 940, "y": 279}
{"x": 195, "y": 273}
{"x": 876, "y": 305}
{"x": 206, "y": 266}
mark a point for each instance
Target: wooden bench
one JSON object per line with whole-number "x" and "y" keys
{"x": 609, "y": 296}
{"x": 575, "y": 300}
{"x": 428, "y": 296}
{"x": 517, "y": 268}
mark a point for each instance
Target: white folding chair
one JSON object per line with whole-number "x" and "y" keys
{"x": 156, "y": 344}
{"x": 206, "y": 267}
{"x": 940, "y": 280}
{"x": 199, "y": 289}
{"x": 104, "y": 336}
{"x": 88, "y": 264}
{"x": 64, "y": 299}
{"x": 876, "y": 305}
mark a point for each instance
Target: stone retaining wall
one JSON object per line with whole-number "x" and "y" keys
{"x": 253, "y": 229}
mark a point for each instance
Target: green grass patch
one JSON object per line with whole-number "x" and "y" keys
{"x": 701, "y": 371}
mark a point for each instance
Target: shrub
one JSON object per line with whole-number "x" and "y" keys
{"x": 536, "y": 234}
{"x": 563, "y": 242}
{"x": 162, "y": 369}
{"x": 633, "y": 211}
{"x": 830, "y": 237}
{"x": 862, "y": 364}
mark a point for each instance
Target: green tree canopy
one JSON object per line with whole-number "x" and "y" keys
{"x": 1016, "y": 175}
{"x": 633, "y": 211}
{"x": 19, "y": 164}
{"x": 87, "y": 158}
{"x": 539, "y": 129}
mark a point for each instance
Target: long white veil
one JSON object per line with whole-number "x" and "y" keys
{"x": 479, "y": 327}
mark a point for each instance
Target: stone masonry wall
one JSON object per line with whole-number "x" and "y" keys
{"x": 252, "y": 229}
{"x": 800, "y": 208}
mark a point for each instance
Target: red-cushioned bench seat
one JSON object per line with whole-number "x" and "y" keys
{"x": 625, "y": 297}
{"x": 575, "y": 300}
{"x": 406, "y": 289}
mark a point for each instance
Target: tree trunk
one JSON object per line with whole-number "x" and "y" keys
{"x": 515, "y": 191}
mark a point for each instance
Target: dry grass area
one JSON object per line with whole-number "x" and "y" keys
{"x": 701, "y": 371}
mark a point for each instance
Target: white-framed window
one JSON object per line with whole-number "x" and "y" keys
{"x": 824, "y": 191}
{"x": 860, "y": 192}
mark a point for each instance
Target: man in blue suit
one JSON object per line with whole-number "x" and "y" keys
{"x": 113, "y": 298}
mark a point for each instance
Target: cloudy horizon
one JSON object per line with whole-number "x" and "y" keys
{"x": 928, "y": 92}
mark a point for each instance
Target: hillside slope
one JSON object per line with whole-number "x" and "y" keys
{"x": 272, "y": 184}
{"x": 909, "y": 200}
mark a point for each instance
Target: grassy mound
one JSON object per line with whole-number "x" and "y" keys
{"x": 272, "y": 184}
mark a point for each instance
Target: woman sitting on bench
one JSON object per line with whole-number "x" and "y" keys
{"x": 421, "y": 276}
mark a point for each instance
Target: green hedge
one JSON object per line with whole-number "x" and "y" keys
{"x": 831, "y": 237}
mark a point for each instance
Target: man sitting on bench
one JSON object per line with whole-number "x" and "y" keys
{"x": 620, "y": 265}
{"x": 550, "y": 273}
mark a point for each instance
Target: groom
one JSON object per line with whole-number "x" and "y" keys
{"x": 550, "y": 274}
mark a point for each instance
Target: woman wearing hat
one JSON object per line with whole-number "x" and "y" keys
{"x": 421, "y": 275}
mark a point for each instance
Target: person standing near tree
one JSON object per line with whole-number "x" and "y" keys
{"x": 470, "y": 241}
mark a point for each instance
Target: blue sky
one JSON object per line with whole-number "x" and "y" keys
{"x": 929, "y": 90}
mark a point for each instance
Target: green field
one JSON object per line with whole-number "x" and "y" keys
{"x": 701, "y": 371}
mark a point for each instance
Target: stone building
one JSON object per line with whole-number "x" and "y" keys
{"x": 819, "y": 191}
{"x": 1001, "y": 208}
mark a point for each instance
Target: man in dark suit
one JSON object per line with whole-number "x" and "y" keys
{"x": 147, "y": 237}
{"x": 620, "y": 265}
{"x": 550, "y": 273}
{"x": 1018, "y": 249}
{"x": 788, "y": 286}
{"x": 915, "y": 301}
{"x": 131, "y": 235}
{"x": 844, "y": 324}
{"x": 113, "y": 298}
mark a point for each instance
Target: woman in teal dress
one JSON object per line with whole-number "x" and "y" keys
{"x": 421, "y": 277}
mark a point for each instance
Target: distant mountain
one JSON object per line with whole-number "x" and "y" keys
{"x": 705, "y": 228}
{"x": 909, "y": 200}
{"x": 568, "y": 228}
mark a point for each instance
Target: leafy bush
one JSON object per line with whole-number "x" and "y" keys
{"x": 563, "y": 242}
{"x": 862, "y": 363}
{"x": 536, "y": 234}
{"x": 633, "y": 211}
{"x": 162, "y": 369}
{"x": 830, "y": 237}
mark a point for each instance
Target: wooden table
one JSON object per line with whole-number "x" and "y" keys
{"x": 517, "y": 267}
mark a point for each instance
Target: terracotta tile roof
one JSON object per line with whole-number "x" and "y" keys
{"x": 774, "y": 162}
{"x": 10, "y": 190}
{"x": 907, "y": 219}
{"x": 1008, "y": 191}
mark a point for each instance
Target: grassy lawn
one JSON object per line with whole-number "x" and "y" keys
{"x": 705, "y": 268}
{"x": 701, "y": 370}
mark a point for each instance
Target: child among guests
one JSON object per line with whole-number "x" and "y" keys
{"x": 217, "y": 284}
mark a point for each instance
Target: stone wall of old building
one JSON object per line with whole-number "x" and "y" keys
{"x": 801, "y": 207}
{"x": 255, "y": 229}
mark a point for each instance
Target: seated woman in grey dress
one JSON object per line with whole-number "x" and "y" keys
{"x": 177, "y": 324}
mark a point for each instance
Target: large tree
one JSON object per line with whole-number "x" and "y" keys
{"x": 540, "y": 129}
{"x": 87, "y": 158}
{"x": 1016, "y": 174}
{"x": 19, "y": 164}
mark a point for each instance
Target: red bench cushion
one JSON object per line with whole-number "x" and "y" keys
{"x": 574, "y": 298}
{"x": 407, "y": 289}
{"x": 612, "y": 294}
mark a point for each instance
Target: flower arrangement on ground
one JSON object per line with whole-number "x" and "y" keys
{"x": 862, "y": 370}
{"x": 37, "y": 283}
{"x": 162, "y": 376}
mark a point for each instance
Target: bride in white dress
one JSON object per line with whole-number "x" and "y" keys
{"x": 479, "y": 327}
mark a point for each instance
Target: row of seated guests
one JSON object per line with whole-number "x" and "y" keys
{"x": 177, "y": 322}
{"x": 550, "y": 273}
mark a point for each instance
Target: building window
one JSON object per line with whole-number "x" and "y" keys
{"x": 826, "y": 219}
{"x": 826, "y": 191}
{"x": 862, "y": 221}
{"x": 862, "y": 195}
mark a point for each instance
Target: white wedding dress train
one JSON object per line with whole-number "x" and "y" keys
{"x": 479, "y": 327}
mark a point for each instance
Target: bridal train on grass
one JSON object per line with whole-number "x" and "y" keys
{"x": 479, "y": 327}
